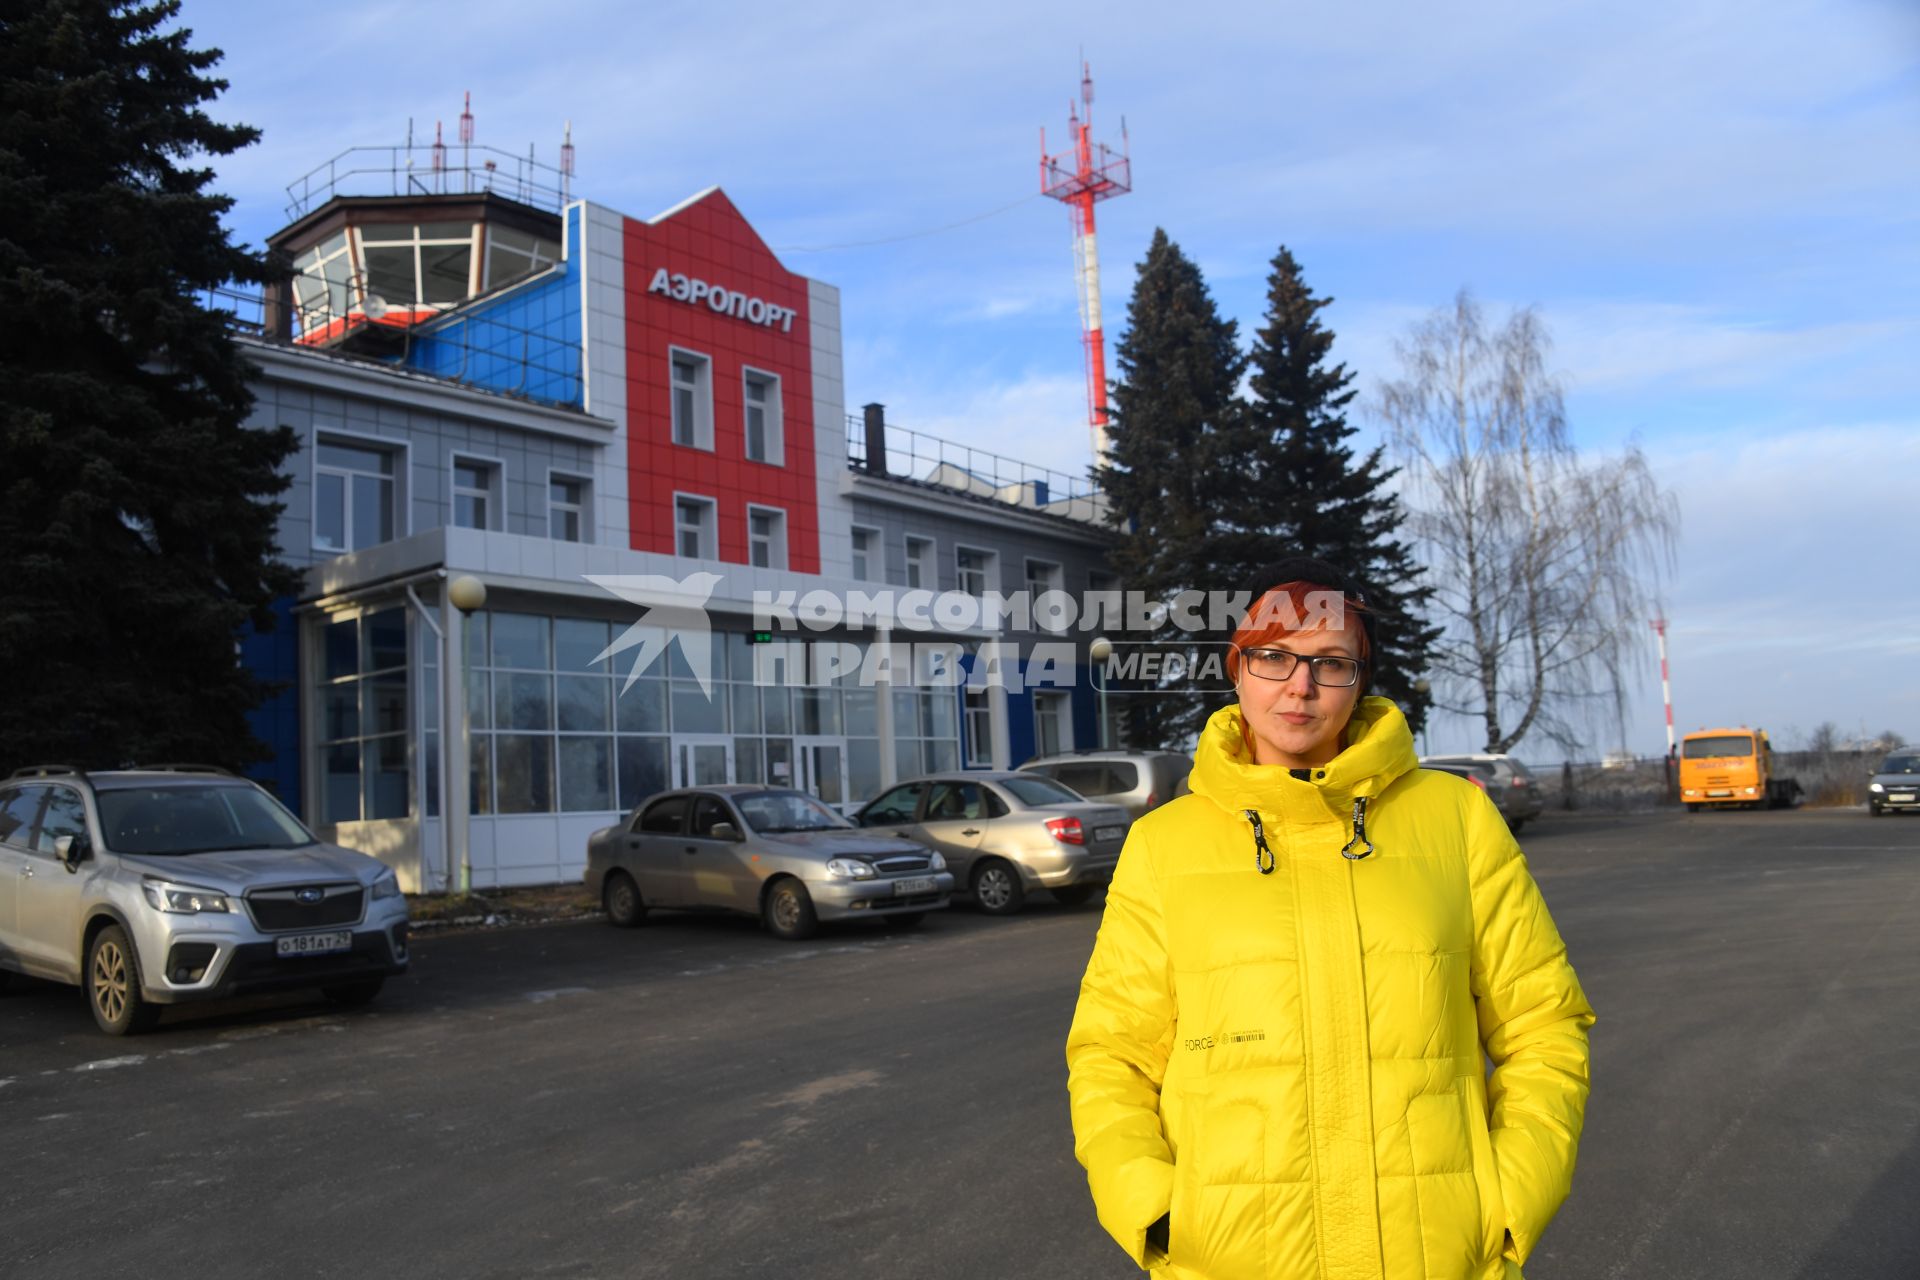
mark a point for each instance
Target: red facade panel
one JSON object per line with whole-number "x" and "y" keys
{"x": 716, "y": 299}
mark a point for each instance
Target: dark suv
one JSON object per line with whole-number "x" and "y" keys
{"x": 171, "y": 883}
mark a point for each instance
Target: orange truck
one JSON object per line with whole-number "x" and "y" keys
{"x": 1729, "y": 768}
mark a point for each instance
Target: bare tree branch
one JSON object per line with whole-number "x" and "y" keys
{"x": 1545, "y": 564}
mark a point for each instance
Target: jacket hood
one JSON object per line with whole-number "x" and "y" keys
{"x": 1379, "y": 749}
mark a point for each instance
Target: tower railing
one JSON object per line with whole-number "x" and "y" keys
{"x": 462, "y": 169}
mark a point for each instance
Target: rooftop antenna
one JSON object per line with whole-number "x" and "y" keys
{"x": 1080, "y": 178}
{"x": 439, "y": 159}
{"x": 566, "y": 164}
{"x": 466, "y": 140}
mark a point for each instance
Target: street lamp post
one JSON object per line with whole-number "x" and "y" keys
{"x": 464, "y": 595}
{"x": 1100, "y": 650}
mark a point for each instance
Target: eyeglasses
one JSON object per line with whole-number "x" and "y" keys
{"x": 1278, "y": 664}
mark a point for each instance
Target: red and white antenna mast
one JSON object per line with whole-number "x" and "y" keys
{"x": 1081, "y": 178}
{"x": 1666, "y": 688}
{"x": 466, "y": 141}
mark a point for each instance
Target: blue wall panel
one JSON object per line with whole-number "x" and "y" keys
{"x": 274, "y": 657}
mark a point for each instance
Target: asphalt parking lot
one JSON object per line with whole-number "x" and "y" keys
{"x": 693, "y": 1098}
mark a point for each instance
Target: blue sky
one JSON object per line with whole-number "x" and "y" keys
{"x": 1716, "y": 206}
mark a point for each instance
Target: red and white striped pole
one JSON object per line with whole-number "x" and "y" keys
{"x": 1666, "y": 686}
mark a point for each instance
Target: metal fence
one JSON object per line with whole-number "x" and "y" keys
{"x": 919, "y": 458}
{"x": 1835, "y": 778}
{"x": 477, "y": 346}
{"x": 411, "y": 170}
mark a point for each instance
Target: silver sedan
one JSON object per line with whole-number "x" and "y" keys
{"x": 1005, "y": 833}
{"x": 770, "y": 852}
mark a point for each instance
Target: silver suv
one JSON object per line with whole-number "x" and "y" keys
{"x": 1508, "y": 783}
{"x": 172, "y": 883}
{"x": 1137, "y": 781}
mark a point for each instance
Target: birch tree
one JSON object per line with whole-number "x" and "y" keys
{"x": 1544, "y": 564}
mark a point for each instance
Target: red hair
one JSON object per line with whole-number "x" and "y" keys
{"x": 1287, "y": 611}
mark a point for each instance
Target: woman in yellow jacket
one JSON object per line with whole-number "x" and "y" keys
{"x": 1278, "y": 1063}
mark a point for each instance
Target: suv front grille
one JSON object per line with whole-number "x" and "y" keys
{"x": 281, "y": 909}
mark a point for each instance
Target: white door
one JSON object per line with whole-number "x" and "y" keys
{"x": 702, "y": 760}
{"x": 823, "y": 769}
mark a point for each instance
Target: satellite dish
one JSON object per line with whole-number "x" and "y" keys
{"x": 374, "y": 307}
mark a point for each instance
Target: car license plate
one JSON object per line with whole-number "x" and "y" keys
{"x": 1901, "y": 797}
{"x": 1711, "y": 794}
{"x": 1104, "y": 834}
{"x": 920, "y": 884}
{"x": 314, "y": 944}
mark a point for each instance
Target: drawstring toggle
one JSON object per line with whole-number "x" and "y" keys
{"x": 1262, "y": 855}
{"x": 1358, "y": 847}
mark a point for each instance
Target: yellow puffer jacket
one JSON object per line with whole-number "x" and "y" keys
{"x": 1290, "y": 1063}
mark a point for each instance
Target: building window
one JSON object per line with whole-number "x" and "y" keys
{"x": 1052, "y": 724}
{"x": 428, "y": 262}
{"x": 513, "y": 254}
{"x": 1043, "y": 575}
{"x": 865, "y": 543}
{"x": 692, "y": 400}
{"x": 693, "y": 531}
{"x": 974, "y": 569}
{"x": 363, "y": 697}
{"x": 323, "y": 285}
{"x": 567, "y": 508}
{"x": 476, "y": 489}
{"x": 763, "y": 423}
{"x": 920, "y": 563}
{"x": 979, "y": 730}
{"x": 353, "y": 495}
{"x": 766, "y": 538}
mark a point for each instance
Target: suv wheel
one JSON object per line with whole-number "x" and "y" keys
{"x": 788, "y": 911}
{"x": 621, "y": 897}
{"x": 997, "y": 888}
{"x": 351, "y": 995}
{"x": 113, "y": 985}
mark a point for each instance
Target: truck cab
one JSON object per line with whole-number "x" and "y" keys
{"x": 1729, "y": 768}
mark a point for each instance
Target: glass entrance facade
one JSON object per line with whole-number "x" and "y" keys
{"x": 557, "y": 728}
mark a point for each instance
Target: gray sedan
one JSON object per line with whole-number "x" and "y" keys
{"x": 1005, "y": 833}
{"x": 770, "y": 852}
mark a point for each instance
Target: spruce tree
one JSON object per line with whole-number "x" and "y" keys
{"x": 1176, "y": 425}
{"x": 1314, "y": 497}
{"x": 137, "y": 512}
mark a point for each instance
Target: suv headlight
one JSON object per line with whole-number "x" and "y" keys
{"x": 387, "y": 886}
{"x": 850, "y": 869}
{"x": 182, "y": 899}
{"x": 938, "y": 862}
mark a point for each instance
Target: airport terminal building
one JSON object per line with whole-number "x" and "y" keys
{"x": 492, "y": 379}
